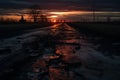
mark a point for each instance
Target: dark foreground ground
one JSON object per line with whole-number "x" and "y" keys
{"x": 103, "y": 33}
{"x": 61, "y": 52}
{"x": 11, "y": 30}
{"x": 100, "y": 28}
{"x": 105, "y": 29}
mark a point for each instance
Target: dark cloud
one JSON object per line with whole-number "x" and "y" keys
{"x": 112, "y": 5}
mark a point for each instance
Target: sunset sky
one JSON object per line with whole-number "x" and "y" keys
{"x": 64, "y": 9}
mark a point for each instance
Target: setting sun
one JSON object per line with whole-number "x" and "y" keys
{"x": 53, "y": 20}
{"x": 54, "y": 16}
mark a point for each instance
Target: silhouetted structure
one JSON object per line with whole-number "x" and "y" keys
{"x": 22, "y": 20}
{"x": 43, "y": 18}
{"x": 92, "y": 8}
{"x": 35, "y": 13}
{"x": 108, "y": 19}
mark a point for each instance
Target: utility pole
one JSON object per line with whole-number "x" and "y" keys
{"x": 93, "y": 11}
{"x": 92, "y": 6}
{"x": 94, "y": 16}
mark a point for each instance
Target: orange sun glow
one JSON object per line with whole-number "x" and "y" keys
{"x": 54, "y": 16}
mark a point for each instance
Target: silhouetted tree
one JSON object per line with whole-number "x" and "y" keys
{"x": 7, "y": 20}
{"x": 35, "y": 12}
{"x": 43, "y": 18}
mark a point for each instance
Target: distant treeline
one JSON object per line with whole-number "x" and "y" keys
{"x": 7, "y": 20}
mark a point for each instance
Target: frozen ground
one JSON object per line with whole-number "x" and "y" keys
{"x": 80, "y": 58}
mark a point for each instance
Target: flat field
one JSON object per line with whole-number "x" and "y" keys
{"x": 11, "y": 30}
{"x": 99, "y": 28}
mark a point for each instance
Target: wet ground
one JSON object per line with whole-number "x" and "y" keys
{"x": 67, "y": 54}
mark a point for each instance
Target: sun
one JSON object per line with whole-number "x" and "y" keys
{"x": 54, "y": 16}
{"x": 54, "y": 20}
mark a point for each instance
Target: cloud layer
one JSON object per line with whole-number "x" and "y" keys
{"x": 112, "y": 5}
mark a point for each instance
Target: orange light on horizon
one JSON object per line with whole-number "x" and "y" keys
{"x": 54, "y": 20}
{"x": 54, "y": 16}
{"x": 68, "y": 12}
{"x": 14, "y": 17}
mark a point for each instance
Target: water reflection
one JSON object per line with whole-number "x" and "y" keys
{"x": 39, "y": 70}
{"x": 60, "y": 74}
{"x": 56, "y": 66}
{"x": 69, "y": 55}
